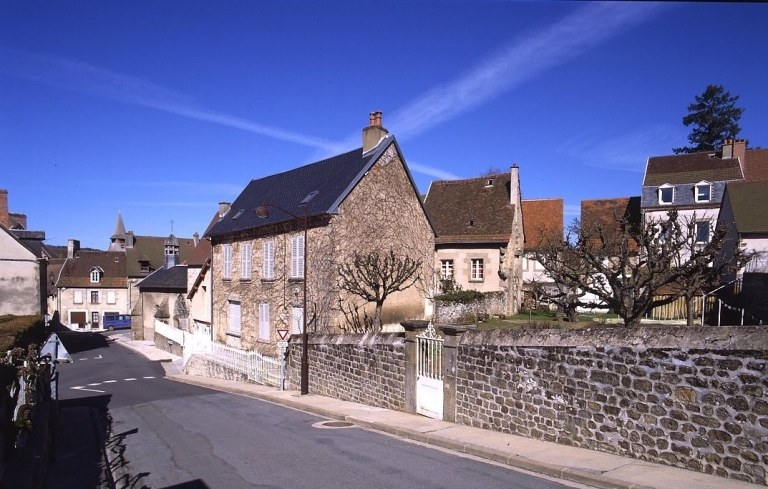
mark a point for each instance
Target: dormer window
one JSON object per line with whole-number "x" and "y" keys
{"x": 96, "y": 274}
{"x": 703, "y": 192}
{"x": 666, "y": 194}
{"x": 489, "y": 182}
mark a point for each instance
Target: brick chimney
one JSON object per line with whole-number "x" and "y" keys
{"x": 374, "y": 133}
{"x": 734, "y": 148}
{"x": 5, "y": 219}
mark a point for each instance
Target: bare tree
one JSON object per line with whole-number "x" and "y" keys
{"x": 375, "y": 276}
{"x": 625, "y": 265}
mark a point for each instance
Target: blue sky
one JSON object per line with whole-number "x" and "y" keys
{"x": 161, "y": 110}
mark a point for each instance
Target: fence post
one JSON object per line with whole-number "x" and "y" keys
{"x": 451, "y": 337}
{"x": 412, "y": 328}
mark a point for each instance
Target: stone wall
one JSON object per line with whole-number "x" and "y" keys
{"x": 688, "y": 397}
{"x": 492, "y": 303}
{"x": 366, "y": 368}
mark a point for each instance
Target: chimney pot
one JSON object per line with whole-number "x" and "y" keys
{"x": 374, "y": 133}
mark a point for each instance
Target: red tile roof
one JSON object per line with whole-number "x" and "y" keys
{"x": 756, "y": 164}
{"x": 607, "y": 213}
{"x": 542, "y": 219}
{"x": 691, "y": 168}
{"x": 76, "y": 272}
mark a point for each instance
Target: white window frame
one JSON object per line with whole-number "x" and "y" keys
{"x": 446, "y": 269}
{"x": 476, "y": 270}
{"x": 662, "y": 189}
{"x": 95, "y": 275}
{"x": 697, "y": 231}
{"x": 268, "y": 267}
{"x": 226, "y": 269}
{"x": 245, "y": 261}
{"x": 264, "y": 326}
{"x": 77, "y": 297}
{"x": 234, "y": 324}
{"x": 111, "y": 297}
{"x": 297, "y": 256}
{"x": 700, "y": 186}
{"x": 96, "y": 294}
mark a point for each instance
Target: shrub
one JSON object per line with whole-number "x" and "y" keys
{"x": 461, "y": 296}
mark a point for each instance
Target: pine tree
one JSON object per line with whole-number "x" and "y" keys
{"x": 714, "y": 116}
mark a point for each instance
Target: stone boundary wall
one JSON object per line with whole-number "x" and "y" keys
{"x": 493, "y": 303}
{"x": 688, "y": 397}
{"x": 367, "y": 368}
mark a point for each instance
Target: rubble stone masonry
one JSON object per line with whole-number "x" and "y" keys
{"x": 691, "y": 397}
{"x": 687, "y": 397}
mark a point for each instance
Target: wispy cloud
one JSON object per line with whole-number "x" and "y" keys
{"x": 432, "y": 171}
{"x": 624, "y": 152}
{"x": 91, "y": 80}
{"x": 521, "y": 61}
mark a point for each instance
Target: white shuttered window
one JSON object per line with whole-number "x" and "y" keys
{"x": 297, "y": 256}
{"x": 245, "y": 261}
{"x": 264, "y": 321}
{"x": 268, "y": 267}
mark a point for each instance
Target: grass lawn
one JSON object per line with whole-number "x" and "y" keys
{"x": 547, "y": 319}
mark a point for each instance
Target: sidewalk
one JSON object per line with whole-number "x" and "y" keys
{"x": 588, "y": 467}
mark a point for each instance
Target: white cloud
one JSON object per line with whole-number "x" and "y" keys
{"x": 624, "y": 152}
{"x": 521, "y": 61}
{"x": 85, "y": 78}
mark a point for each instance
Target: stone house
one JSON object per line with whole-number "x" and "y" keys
{"x": 89, "y": 285}
{"x": 23, "y": 264}
{"x": 361, "y": 201}
{"x": 479, "y": 235}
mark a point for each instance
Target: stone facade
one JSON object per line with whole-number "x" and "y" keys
{"x": 380, "y": 213}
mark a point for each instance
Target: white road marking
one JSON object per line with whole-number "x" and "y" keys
{"x": 130, "y": 379}
{"x": 95, "y": 384}
{"x": 81, "y": 388}
{"x": 150, "y": 377}
{"x": 110, "y": 381}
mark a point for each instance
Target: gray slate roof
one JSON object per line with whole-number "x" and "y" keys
{"x": 331, "y": 179}
{"x": 172, "y": 279}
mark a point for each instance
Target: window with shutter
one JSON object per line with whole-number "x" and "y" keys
{"x": 268, "y": 268}
{"x": 297, "y": 257}
{"x": 245, "y": 261}
{"x": 264, "y": 321}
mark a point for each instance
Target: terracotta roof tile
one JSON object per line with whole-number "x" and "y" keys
{"x": 471, "y": 210}
{"x": 607, "y": 213}
{"x": 76, "y": 272}
{"x": 691, "y": 168}
{"x": 756, "y": 164}
{"x": 542, "y": 219}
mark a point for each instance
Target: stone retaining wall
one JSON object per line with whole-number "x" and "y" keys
{"x": 366, "y": 368}
{"x": 687, "y": 397}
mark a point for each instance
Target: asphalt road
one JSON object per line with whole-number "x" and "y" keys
{"x": 173, "y": 435}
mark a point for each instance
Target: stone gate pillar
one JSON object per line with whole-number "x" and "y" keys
{"x": 451, "y": 337}
{"x": 412, "y": 328}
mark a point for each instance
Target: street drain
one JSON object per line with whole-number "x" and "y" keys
{"x": 333, "y": 424}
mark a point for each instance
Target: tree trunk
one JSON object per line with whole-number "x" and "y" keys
{"x": 377, "y": 317}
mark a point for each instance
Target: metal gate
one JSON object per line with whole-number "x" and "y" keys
{"x": 429, "y": 373}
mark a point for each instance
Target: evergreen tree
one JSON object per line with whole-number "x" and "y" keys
{"x": 714, "y": 117}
